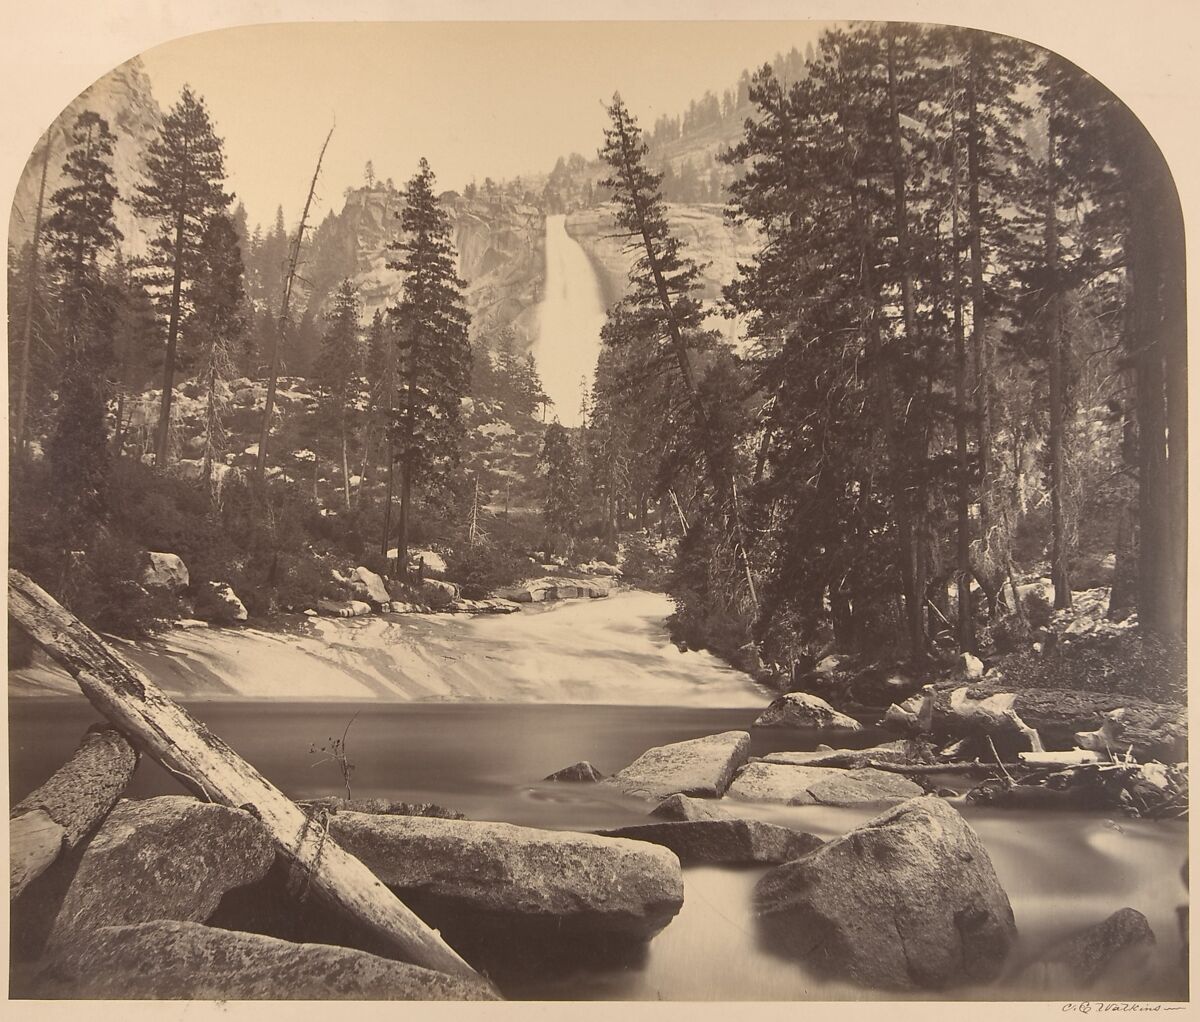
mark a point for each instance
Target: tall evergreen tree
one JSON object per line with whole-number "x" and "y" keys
{"x": 182, "y": 191}
{"x": 560, "y": 511}
{"x": 338, "y": 371}
{"x": 434, "y": 363}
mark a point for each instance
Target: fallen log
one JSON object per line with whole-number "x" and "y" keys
{"x": 64, "y": 810}
{"x": 211, "y": 769}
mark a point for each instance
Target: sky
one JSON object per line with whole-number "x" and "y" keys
{"x": 476, "y": 99}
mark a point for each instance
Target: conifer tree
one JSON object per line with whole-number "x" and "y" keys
{"x": 214, "y": 326}
{"x": 434, "y": 356}
{"x": 79, "y": 231}
{"x": 183, "y": 190}
{"x": 560, "y": 511}
{"x": 338, "y": 371}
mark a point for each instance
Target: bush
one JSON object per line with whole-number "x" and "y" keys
{"x": 487, "y": 566}
{"x": 1133, "y": 663}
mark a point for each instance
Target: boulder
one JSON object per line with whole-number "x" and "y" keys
{"x": 909, "y": 900}
{"x": 701, "y": 767}
{"x": 581, "y": 771}
{"x": 460, "y": 874}
{"x": 439, "y": 588}
{"x": 376, "y": 591}
{"x": 683, "y": 807}
{"x": 343, "y": 608}
{"x": 830, "y": 786}
{"x": 731, "y": 842}
{"x": 801, "y": 709}
{"x": 1111, "y": 954}
{"x": 218, "y": 602}
{"x": 171, "y": 857}
{"x": 172, "y": 960}
{"x": 970, "y": 667}
{"x": 166, "y": 571}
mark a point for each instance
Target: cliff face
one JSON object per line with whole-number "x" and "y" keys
{"x": 124, "y": 99}
{"x": 500, "y": 255}
{"x": 706, "y": 238}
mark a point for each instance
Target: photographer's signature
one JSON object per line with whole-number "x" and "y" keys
{"x": 1087, "y": 1007}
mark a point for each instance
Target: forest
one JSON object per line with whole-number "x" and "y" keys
{"x": 963, "y": 367}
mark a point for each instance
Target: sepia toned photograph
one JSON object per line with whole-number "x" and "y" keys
{"x": 592, "y": 511}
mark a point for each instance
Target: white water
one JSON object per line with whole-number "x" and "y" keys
{"x": 569, "y": 322}
{"x": 614, "y": 651}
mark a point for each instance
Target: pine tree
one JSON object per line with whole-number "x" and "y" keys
{"x": 214, "y": 325}
{"x": 185, "y": 172}
{"x": 80, "y": 230}
{"x": 338, "y": 371}
{"x": 434, "y": 363}
{"x": 82, "y": 224}
{"x": 560, "y": 512}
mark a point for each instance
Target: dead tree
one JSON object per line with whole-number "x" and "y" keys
{"x": 260, "y": 467}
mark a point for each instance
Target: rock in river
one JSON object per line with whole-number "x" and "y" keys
{"x": 829, "y": 786}
{"x": 170, "y": 960}
{"x": 731, "y": 842}
{"x": 801, "y": 709}
{"x": 684, "y": 807}
{"x": 1110, "y": 955}
{"x": 581, "y": 771}
{"x": 495, "y": 873}
{"x": 702, "y": 767}
{"x": 172, "y": 857}
{"x": 910, "y": 899}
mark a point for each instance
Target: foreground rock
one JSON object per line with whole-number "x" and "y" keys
{"x": 581, "y": 772}
{"x": 909, "y": 900}
{"x": 373, "y": 584}
{"x": 684, "y": 807}
{"x": 730, "y": 842}
{"x": 701, "y": 767}
{"x": 172, "y": 857}
{"x": 801, "y": 709}
{"x": 170, "y": 960}
{"x": 829, "y": 786}
{"x": 460, "y": 873}
{"x": 1111, "y": 954}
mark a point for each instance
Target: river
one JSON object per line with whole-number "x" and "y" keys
{"x": 1061, "y": 870}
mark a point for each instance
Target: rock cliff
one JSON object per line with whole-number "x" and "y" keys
{"x": 123, "y": 98}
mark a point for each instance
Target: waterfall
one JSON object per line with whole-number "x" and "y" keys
{"x": 569, "y": 321}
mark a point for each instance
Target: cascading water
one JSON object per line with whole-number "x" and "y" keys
{"x": 570, "y": 318}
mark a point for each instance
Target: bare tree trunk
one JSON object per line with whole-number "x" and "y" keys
{"x": 277, "y": 341}
{"x": 1057, "y": 354}
{"x": 387, "y": 507}
{"x": 345, "y": 466}
{"x": 162, "y": 444}
{"x": 402, "y": 532}
{"x": 211, "y": 769}
{"x": 962, "y": 499}
{"x": 31, "y": 292}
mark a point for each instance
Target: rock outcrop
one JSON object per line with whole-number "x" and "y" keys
{"x": 729, "y": 842}
{"x": 910, "y": 900}
{"x": 829, "y": 786}
{"x": 172, "y": 960}
{"x": 542, "y": 590}
{"x": 801, "y": 709}
{"x": 376, "y": 591}
{"x": 171, "y": 857}
{"x": 684, "y": 807}
{"x": 700, "y": 767}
